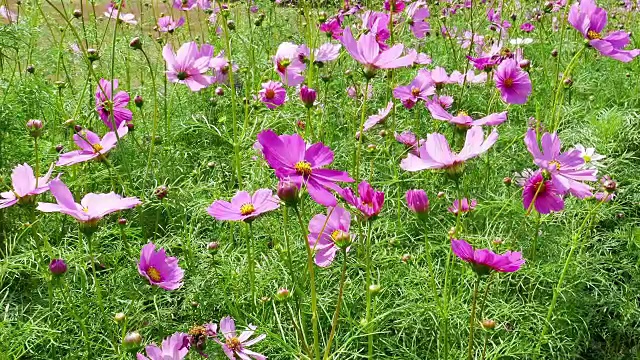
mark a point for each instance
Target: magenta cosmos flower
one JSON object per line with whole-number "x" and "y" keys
{"x": 25, "y": 186}
{"x": 435, "y": 152}
{"x": 161, "y": 270}
{"x": 367, "y": 52}
{"x": 172, "y": 349}
{"x": 462, "y": 119}
{"x": 543, "y": 193}
{"x": 325, "y": 53}
{"x": 513, "y": 82}
{"x": 564, "y": 168}
{"x": 327, "y": 236}
{"x": 167, "y": 24}
{"x": 288, "y": 65}
{"x": 369, "y": 201}
{"x": 417, "y": 12}
{"x": 590, "y": 20}
{"x": 92, "y": 207}
{"x": 235, "y": 346}
{"x": 483, "y": 261}
{"x": 244, "y": 206}
{"x": 462, "y": 206}
{"x": 332, "y": 27}
{"x": 419, "y": 89}
{"x": 91, "y": 146}
{"x": 273, "y": 94}
{"x": 289, "y": 156}
{"x": 418, "y": 202}
{"x": 108, "y": 105}
{"x": 222, "y": 68}
{"x": 187, "y": 66}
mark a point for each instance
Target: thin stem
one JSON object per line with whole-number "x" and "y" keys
{"x": 252, "y": 265}
{"x": 362, "y": 118}
{"x": 472, "y": 318}
{"x": 559, "y": 88}
{"x": 155, "y": 116}
{"x": 95, "y": 276}
{"x": 536, "y": 235}
{"x": 336, "y": 314}
{"x": 368, "y": 292}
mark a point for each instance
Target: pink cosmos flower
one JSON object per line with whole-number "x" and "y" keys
{"x": 355, "y": 93}
{"x": 590, "y": 20}
{"x": 484, "y": 261}
{"x": 377, "y": 24}
{"x": 221, "y": 66}
{"x": 395, "y": 6}
{"x": 167, "y": 24}
{"x": 410, "y": 140}
{"x": 273, "y": 94}
{"x": 369, "y": 201}
{"x": 184, "y": 5}
{"x": 114, "y": 13}
{"x": 91, "y": 146}
{"x": 325, "y": 53}
{"x": 187, "y": 67}
{"x": 564, "y": 168}
{"x": 444, "y": 100}
{"x": 332, "y": 27}
{"x": 244, "y": 206}
{"x": 235, "y": 346}
{"x": 440, "y": 77}
{"x": 288, "y": 65}
{"x": 472, "y": 78}
{"x": 435, "y": 153}
{"x": 462, "y": 206}
{"x": 463, "y": 120}
{"x": 25, "y": 186}
{"x": 417, "y": 12}
{"x": 366, "y": 52}
{"x": 418, "y": 202}
{"x": 161, "y": 270}
{"x": 106, "y": 102}
{"x": 543, "y": 193}
{"x": 527, "y": 27}
{"x": 513, "y": 82}
{"x": 327, "y": 236}
{"x": 172, "y": 349}
{"x": 378, "y": 118}
{"x": 422, "y": 59}
{"x": 289, "y": 156}
{"x": 92, "y": 207}
{"x": 419, "y": 89}
{"x": 8, "y": 15}
{"x": 484, "y": 63}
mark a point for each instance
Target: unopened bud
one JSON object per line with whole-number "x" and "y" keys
{"x": 382, "y": 133}
{"x": 77, "y": 13}
{"x": 135, "y": 43}
{"x": 405, "y": 258}
{"x": 161, "y": 192}
{"x": 139, "y": 101}
{"x": 488, "y": 324}
{"x": 122, "y": 221}
{"x": 231, "y": 25}
{"x": 93, "y": 55}
{"x": 374, "y": 289}
{"x": 554, "y": 52}
{"x": 31, "y": 69}
{"x": 132, "y": 340}
{"x": 507, "y": 180}
{"x": 213, "y": 246}
{"x": 59, "y": 148}
{"x": 440, "y": 194}
{"x": 282, "y": 294}
{"x": 35, "y": 127}
{"x": 119, "y": 317}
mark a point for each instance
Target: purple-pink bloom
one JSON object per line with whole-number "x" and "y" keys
{"x": 564, "y": 168}
{"x": 289, "y": 156}
{"x": 187, "y": 66}
{"x": 366, "y": 51}
{"x": 92, "y": 207}
{"x": 440, "y": 77}
{"x": 308, "y": 96}
{"x": 25, "y": 186}
{"x": 91, "y": 146}
{"x": 484, "y": 63}
{"x": 378, "y": 118}
{"x": 112, "y": 108}
{"x": 417, "y": 13}
{"x": 435, "y": 152}
{"x": 462, "y": 206}
{"x": 418, "y": 202}
{"x": 184, "y": 5}
{"x": 325, "y": 53}
{"x": 288, "y": 65}
{"x": 408, "y": 139}
{"x": 395, "y": 6}
{"x": 513, "y": 82}
{"x": 332, "y": 27}
{"x": 244, "y": 206}
{"x": 114, "y": 13}
{"x": 590, "y": 20}
{"x": 419, "y": 89}
{"x": 369, "y": 201}
{"x": 542, "y": 193}
{"x": 235, "y": 346}
{"x": 221, "y": 68}
{"x": 328, "y": 235}
{"x": 167, "y": 24}
{"x": 527, "y": 27}
{"x": 172, "y": 349}
{"x": 463, "y": 120}
{"x": 273, "y": 94}
{"x": 161, "y": 270}
{"x": 483, "y": 261}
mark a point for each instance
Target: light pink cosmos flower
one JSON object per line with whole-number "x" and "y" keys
{"x": 422, "y": 59}
{"x": 420, "y": 88}
{"x": 513, "y": 82}
{"x": 483, "y": 261}
{"x": 187, "y": 67}
{"x": 435, "y": 153}
{"x": 105, "y": 100}
{"x": 366, "y": 52}
{"x": 462, "y": 206}
{"x": 114, "y": 13}
{"x": 161, "y": 270}
{"x": 410, "y": 140}
{"x": 378, "y": 118}
{"x": 222, "y": 68}
{"x": 417, "y": 13}
{"x": 473, "y": 78}
{"x": 25, "y": 186}
{"x": 172, "y": 349}
{"x": 167, "y": 24}
{"x": 288, "y": 65}
{"x": 92, "y": 207}
{"x": 235, "y": 346}
{"x": 244, "y": 206}
{"x": 273, "y": 94}
{"x": 8, "y": 15}
{"x": 325, "y": 53}
{"x": 440, "y": 77}
{"x": 463, "y": 120}
{"x": 328, "y": 235}
{"x": 184, "y": 5}
{"x": 91, "y": 146}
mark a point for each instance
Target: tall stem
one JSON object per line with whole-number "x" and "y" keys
{"x": 95, "y": 276}
{"x": 472, "y": 318}
{"x": 368, "y": 292}
{"x": 252, "y": 265}
{"x": 336, "y": 314}
{"x": 155, "y": 115}
{"x": 365, "y": 91}
{"x": 559, "y": 88}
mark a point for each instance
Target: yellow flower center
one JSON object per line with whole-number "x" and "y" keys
{"x": 233, "y": 343}
{"x": 415, "y": 91}
{"x": 338, "y": 235}
{"x": 555, "y": 163}
{"x": 97, "y": 147}
{"x": 303, "y": 168}
{"x": 593, "y": 35}
{"x": 154, "y": 274}
{"x": 463, "y": 113}
{"x": 247, "y": 209}
{"x": 586, "y": 158}
{"x": 85, "y": 209}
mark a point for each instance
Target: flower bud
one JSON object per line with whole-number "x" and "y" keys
{"x": 57, "y": 267}
{"x": 77, "y": 128}
{"x": 322, "y": 16}
{"x": 325, "y": 78}
{"x": 132, "y": 340}
{"x": 211, "y": 164}
{"x": 60, "y": 84}
{"x": 374, "y": 289}
{"x": 213, "y": 246}
{"x": 308, "y": 96}
{"x": 301, "y": 124}
{"x": 554, "y": 53}
{"x": 35, "y": 127}
{"x": 488, "y": 324}
{"x": 282, "y": 294}
{"x": 418, "y": 202}
{"x": 288, "y": 191}
{"x": 195, "y": 304}
{"x": 497, "y": 241}
{"x": 69, "y": 123}
{"x": 77, "y": 13}
{"x": 371, "y": 147}
{"x": 161, "y": 192}
{"x": 568, "y": 82}
{"x": 31, "y": 69}
{"x": 219, "y": 91}
{"x": 452, "y": 232}
{"x": 135, "y": 43}
{"x": 122, "y": 221}
{"x": 139, "y": 101}
{"x": 119, "y": 317}
{"x": 405, "y": 258}
{"x": 341, "y": 239}
{"x": 231, "y": 25}
{"x": 440, "y": 194}
{"x": 507, "y": 181}
{"x": 93, "y": 55}
{"x": 524, "y": 64}
{"x": 131, "y": 127}
{"x": 59, "y": 148}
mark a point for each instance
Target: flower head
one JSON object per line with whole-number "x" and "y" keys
{"x": 419, "y": 89}
{"x": 8, "y": 15}
{"x": 161, "y": 270}
{"x": 483, "y": 261}
{"x": 92, "y": 207}
{"x": 542, "y": 193}
{"x": 369, "y": 201}
{"x": 462, "y": 206}
{"x": 25, "y": 186}
{"x": 591, "y": 158}
{"x": 513, "y": 82}
{"x": 167, "y": 24}
{"x": 235, "y": 346}
{"x": 463, "y": 120}
{"x": 290, "y": 157}
{"x": 418, "y": 202}
{"x": 172, "y": 349}
{"x": 91, "y": 146}
{"x": 244, "y": 206}
{"x": 187, "y": 66}
{"x": 114, "y": 13}
{"x": 287, "y": 64}
{"x": 332, "y": 27}
{"x": 417, "y": 12}
{"x": 273, "y": 94}
{"x": 366, "y": 51}
{"x": 378, "y": 118}
{"x": 527, "y": 27}
{"x": 112, "y": 108}
{"x": 328, "y": 234}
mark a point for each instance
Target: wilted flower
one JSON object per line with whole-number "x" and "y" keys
{"x": 161, "y": 270}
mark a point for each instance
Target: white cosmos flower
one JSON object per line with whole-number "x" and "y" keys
{"x": 591, "y": 158}
{"x": 520, "y": 41}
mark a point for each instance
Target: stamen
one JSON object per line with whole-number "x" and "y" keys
{"x": 247, "y": 209}
{"x": 303, "y": 168}
{"x": 154, "y": 274}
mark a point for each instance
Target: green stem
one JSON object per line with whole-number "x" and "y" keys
{"x": 95, "y": 276}
{"x": 155, "y": 116}
{"x": 369, "y": 294}
{"x": 472, "y": 319}
{"x": 85, "y": 333}
{"x": 560, "y": 88}
{"x": 252, "y": 276}
{"x": 361, "y": 131}
{"x": 536, "y": 235}
{"x": 336, "y": 314}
